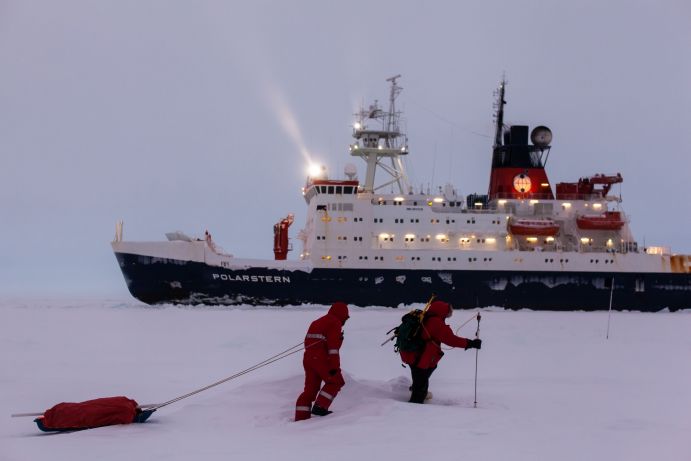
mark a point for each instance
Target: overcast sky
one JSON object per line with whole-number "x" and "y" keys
{"x": 176, "y": 115}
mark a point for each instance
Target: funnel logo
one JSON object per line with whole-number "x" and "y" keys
{"x": 521, "y": 182}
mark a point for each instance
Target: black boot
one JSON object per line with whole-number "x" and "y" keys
{"x": 319, "y": 411}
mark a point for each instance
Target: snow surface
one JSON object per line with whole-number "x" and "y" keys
{"x": 550, "y": 386}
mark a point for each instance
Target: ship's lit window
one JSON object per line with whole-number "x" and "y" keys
{"x": 491, "y": 240}
{"x": 532, "y": 239}
{"x": 438, "y": 200}
{"x": 597, "y": 206}
{"x": 566, "y": 205}
{"x": 585, "y": 240}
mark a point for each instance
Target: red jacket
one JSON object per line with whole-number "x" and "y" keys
{"x": 324, "y": 337}
{"x": 435, "y": 332}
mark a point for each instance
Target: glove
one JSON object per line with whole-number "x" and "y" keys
{"x": 474, "y": 344}
{"x": 333, "y": 372}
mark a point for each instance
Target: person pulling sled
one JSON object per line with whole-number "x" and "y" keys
{"x": 322, "y": 363}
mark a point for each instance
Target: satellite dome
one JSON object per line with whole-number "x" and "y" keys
{"x": 541, "y": 136}
{"x": 350, "y": 171}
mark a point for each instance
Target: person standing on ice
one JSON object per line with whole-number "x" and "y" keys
{"x": 322, "y": 363}
{"x": 435, "y": 332}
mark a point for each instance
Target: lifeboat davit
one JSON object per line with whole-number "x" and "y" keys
{"x": 609, "y": 220}
{"x": 521, "y": 226}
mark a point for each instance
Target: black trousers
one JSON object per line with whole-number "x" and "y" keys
{"x": 420, "y": 383}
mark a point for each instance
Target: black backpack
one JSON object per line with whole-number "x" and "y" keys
{"x": 409, "y": 333}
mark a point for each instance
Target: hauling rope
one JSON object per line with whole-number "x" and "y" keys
{"x": 107, "y": 411}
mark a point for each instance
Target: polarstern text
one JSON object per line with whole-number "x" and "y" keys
{"x": 252, "y": 278}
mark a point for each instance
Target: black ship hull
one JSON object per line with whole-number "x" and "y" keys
{"x": 157, "y": 281}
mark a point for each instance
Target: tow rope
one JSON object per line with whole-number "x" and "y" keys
{"x": 122, "y": 410}
{"x": 286, "y": 353}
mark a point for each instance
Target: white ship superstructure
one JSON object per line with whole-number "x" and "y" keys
{"x": 526, "y": 243}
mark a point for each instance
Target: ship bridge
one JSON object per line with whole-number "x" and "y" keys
{"x": 329, "y": 187}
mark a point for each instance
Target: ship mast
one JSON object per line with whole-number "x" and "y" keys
{"x": 499, "y": 115}
{"x": 376, "y": 145}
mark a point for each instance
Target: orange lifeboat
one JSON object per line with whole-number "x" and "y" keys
{"x": 543, "y": 227}
{"x": 609, "y": 220}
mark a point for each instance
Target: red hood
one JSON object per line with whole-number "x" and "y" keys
{"x": 438, "y": 309}
{"x": 340, "y": 310}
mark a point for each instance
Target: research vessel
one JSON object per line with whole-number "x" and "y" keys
{"x": 378, "y": 241}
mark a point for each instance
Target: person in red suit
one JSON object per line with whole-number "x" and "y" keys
{"x": 322, "y": 363}
{"x": 435, "y": 332}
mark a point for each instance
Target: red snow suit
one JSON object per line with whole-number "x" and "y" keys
{"x": 435, "y": 331}
{"x": 322, "y": 361}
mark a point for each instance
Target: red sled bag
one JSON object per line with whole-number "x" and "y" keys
{"x": 92, "y": 413}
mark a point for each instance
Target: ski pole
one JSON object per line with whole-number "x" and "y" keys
{"x": 609, "y": 314}
{"x": 477, "y": 336}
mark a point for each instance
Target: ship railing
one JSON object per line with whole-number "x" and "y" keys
{"x": 480, "y": 210}
{"x": 531, "y": 196}
{"x": 623, "y": 248}
{"x": 548, "y": 196}
{"x": 594, "y": 196}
